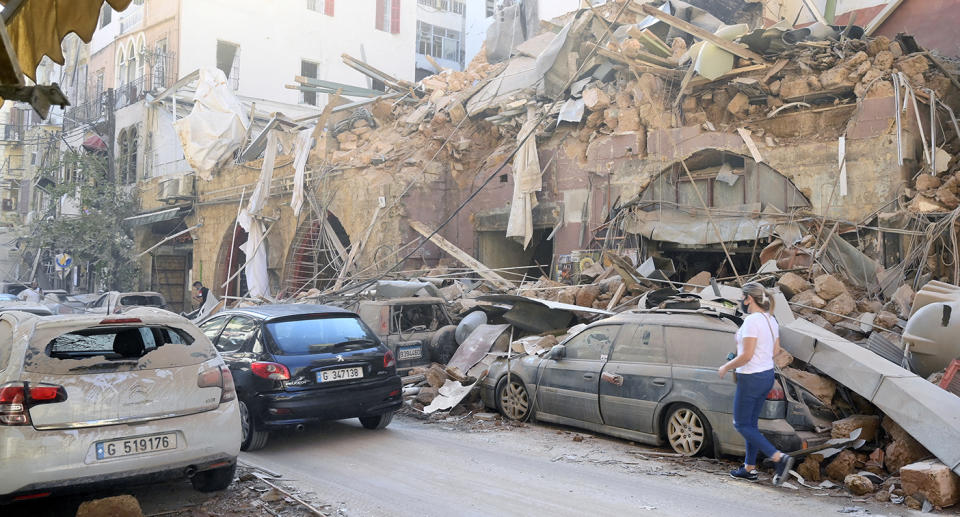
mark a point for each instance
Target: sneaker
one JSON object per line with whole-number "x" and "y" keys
{"x": 743, "y": 473}
{"x": 783, "y": 469}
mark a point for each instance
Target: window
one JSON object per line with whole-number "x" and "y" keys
{"x": 328, "y": 7}
{"x": 320, "y": 335}
{"x": 453, "y": 6}
{"x": 641, "y": 344}
{"x": 592, "y": 344}
{"x": 228, "y": 61}
{"x": 309, "y": 69}
{"x": 699, "y": 347}
{"x": 106, "y": 14}
{"x": 236, "y": 334}
{"x": 211, "y": 328}
{"x": 491, "y": 7}
{"x": 99, "y": 84}
{"x": 312, "y": 5}
{"x": 439, "y": 42}
{"x": 158, "y": 71}
{"x": 388, "y": 16}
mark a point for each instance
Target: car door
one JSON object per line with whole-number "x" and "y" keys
{"x": 639, "y": 359}
{"x": 695, "y": 354}
{"x": 212, "y": 327}
{"x": 569, "y": 386}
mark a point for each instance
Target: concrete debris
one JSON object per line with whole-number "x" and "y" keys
{"x": 869, "y": 425}
{"x": 858, "y": 485}
{"x": 117, "y": 506}
{"x": 932, "y": 480}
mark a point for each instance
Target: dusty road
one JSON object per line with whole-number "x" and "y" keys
{"x": 439, "y": 469}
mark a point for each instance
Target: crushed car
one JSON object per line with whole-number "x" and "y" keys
{"x": 113, "y": 302}
{"x": 417, "y": 329}
{"x": 93, "y": 401}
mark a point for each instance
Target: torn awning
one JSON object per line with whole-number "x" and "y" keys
{"x": 36, "y": 27}
{"x": 668, "y": 225}
{"x": 153, "y": 217}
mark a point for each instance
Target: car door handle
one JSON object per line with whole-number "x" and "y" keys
{"x": 588, "y": 376}
{"x": 659, "y": 382}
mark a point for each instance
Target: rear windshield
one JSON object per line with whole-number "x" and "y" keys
{"x": 320, "y": 335}
{"x": 141, "y": 300}
{"x": 109, "y": 349}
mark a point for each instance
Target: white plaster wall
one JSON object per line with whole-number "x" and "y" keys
{"x": 788, "y": 9}
{"x": 478, "y": 22}
{"x": 274, "y": 35}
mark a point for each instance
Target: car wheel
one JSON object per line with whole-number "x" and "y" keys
{"x": 214, "y": 479}
{"x": 687, "y": 430}
{"x": 377, "y": 422}
{"x": 513, "y": 400}
{"x": 251, "y": 437}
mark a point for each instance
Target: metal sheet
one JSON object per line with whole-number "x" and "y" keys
{"x": 533, "y": 317}
{"x": 153, "y": 217}
{"x": 511, "y": 298}
{"x": 695, "y": 229}
{"x": 477, "y": 344}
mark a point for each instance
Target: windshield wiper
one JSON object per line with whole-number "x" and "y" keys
{"x": 322, "y": 347}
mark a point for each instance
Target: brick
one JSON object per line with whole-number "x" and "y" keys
{"x": 869, "y": 424}
{"x": 933, "y": 480}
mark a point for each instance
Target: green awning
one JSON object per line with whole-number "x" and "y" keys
{"x": 153, "y": 217}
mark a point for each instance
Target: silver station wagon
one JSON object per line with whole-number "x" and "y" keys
{"x": 643, "y": 375}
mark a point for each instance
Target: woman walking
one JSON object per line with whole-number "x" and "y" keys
{"x": 758, "y": 342}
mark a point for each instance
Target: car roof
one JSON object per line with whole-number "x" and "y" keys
{"x": 281, "y": 310}
{"x": 701, "y": 318}
{"x": 407, "y": 300}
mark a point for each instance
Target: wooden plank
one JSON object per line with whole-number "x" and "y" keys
{"x": 815, "y": 12}
{"x": 617, "y": 295}
{"x": 685, "y": 26}
{"x": 356, "y": 250}
{"x": 881, "y": 17}
{"x": 701, "y": 81}
{"x": 670, "y": 73}
{"x": 748, "y": 140}
{"x": 644, "y": 37}
{"x": 775, "y": 69}
{"x": 462, "y": 256}
{"x": 433, "y": 62}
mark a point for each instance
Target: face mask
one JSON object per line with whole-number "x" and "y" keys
{"x": 743, "y": 305}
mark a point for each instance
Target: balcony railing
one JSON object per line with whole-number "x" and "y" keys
{"x": 86, "y": 113}
{"x": 129, "y": 93}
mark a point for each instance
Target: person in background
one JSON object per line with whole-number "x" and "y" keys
{"x": 31, "y": 294}
{"x": 758, "y": 341}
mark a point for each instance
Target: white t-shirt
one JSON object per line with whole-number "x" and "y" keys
{"x": 755, "y": 325}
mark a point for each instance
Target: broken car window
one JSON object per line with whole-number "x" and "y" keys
{"x": 699, "y": 347}
{"x": 236, "y": 334}
{"x": 593, "y": 343}
{"x": 142, "y": 300}
{"x": 319, "y": 335}
{"x": 641, "y": 344}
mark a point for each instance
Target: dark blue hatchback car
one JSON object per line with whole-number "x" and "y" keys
{"x": 296, "y": 364}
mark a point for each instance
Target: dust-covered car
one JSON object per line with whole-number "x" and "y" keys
{"x": 297, "y": 364}
{"x": 643, "y": 375}
{"x": 89, "y": 401}
{"x": 60, "y": 302}
{"x": 113, "y": 302}
{"x": 28, "y": 307}
{"x": 417, "y": 329}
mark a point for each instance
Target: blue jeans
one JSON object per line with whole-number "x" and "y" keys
{"x": 752, "y": 390}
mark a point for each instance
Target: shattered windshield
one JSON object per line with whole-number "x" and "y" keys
{"x": 320, "y": 335}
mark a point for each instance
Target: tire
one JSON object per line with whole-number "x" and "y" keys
{"x": 251, "y": 437}
{"x": 377, "y": 422}
{"x": 687, "y": 430}
{"x": 443, "y": 344}
{"x": 213, "y": 480}
{"x": 513, "y": 400}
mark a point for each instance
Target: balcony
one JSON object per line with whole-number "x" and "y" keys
{"x": 129, "y": 93}
{"x": 86, "y": 113}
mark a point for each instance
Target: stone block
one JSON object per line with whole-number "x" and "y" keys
{"x": 869, "y": 424}
{"x": 913, "y": 65}
{"x": 809, "y": 298}
{"x": 791, "y": 284}
{"x": 877, "y": 45}
{"x": 794, "y": 86}
{"x": 926, "y": 182}
{"x": 587, "y": 295}
{"x": 595, "y": 99}
{"x": 739, "y": 104}
{"x": 903, "y": 300}
{"x": 858, "y": 485}
{"x": 828, "y": 287}
{"x": 933, "y": 480}
{"x": 117, "y": 506}
{"x": 821, "y": 387}
{"x": 427, "y": 394}
{"x": 903, "y": 452}
{"x": 810, "y": 468}
{"x": 842, "y": 466}
{"x": 843, "y": 304}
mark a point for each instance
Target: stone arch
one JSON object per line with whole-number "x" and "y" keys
{"x": 228, "y": 261}
{"x": 313, "y": 255}
{"x": 741, "y": 194}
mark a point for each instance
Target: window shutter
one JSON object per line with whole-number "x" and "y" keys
{"x": 379, "y": 20}
{"x": 328, "y": 7}
{"x": 395, "y": 17}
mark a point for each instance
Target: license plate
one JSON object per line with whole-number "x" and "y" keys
{"x": 410, "y": 352}
{"x": 136, "y": 445}
{"x": 340, "y": 374}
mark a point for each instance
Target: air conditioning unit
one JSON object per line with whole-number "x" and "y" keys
{"x": 177, "y": 188}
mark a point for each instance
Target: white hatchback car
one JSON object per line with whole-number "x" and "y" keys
{"x": 93, "y": 400}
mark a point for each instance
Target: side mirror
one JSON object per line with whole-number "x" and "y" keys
{"x": 557, "y": 352}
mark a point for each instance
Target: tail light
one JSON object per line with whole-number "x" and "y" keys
{"x": 776, "y": 394}
{"x": 272, "y": 371}
{"x": 17, "y": 398}
{"x": 218, "y": 377}
{"x": 388, "y": 359}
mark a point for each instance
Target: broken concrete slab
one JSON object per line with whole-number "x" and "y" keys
{"x": 933, "y": 480}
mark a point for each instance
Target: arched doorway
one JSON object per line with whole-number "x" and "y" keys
{"x": 229, "y": 261}
{"x": 316, "y": 255}
{"x": 744, "y": 200}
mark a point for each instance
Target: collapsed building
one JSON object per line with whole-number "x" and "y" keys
{"x": 658, "y": 144}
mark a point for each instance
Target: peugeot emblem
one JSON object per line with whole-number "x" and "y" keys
{"x": 339, "y": 358}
